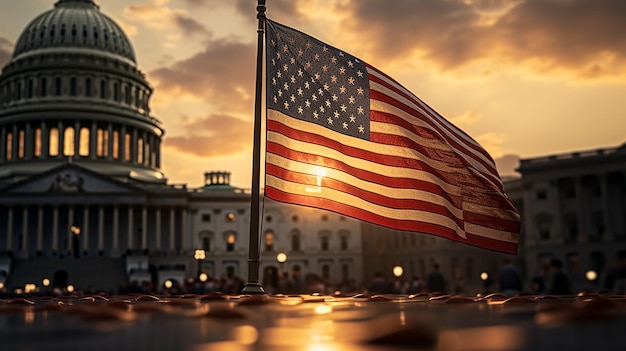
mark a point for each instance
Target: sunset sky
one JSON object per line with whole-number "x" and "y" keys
{"x": 524, "y": 78}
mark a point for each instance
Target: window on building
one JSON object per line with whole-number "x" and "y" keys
{"x": 83, "y": 149}
{"x": 20, "y": 144}
{"x": 18, "y": 91}
{"x": 325, "y": 243}
{"x": 30, "y": 88}
{"x": 73, "y": 86}
{"x": 103, "y": 92}
{"x": 206, "y": 217}
{"x": 295, "y": 242}
{"x": 599, "y": 226}
{"x": 68, "y": 142}
{"x": 88, "y": 87}
{"x": 269, "y": 240}
{"x": 116, "y": 144}
{"x": 57, "y": 86}
{"x": 37, "y": 150}
{"x": 268, "y": 219}
{"x": 44, "y": 87}
{"x": 206, "y": 243}
{"x": 9, "y": 146}
{"x": 544, "y": 222}
{"x": 53, "y": 142}
{"x": 230, "y": 242}
{"x": 326, "y": 272}
{"x": 116, "y": 92}
{"x": 571, "y": 226}
{"x": 343, "y": 242}
{"x": 127, "y": 139}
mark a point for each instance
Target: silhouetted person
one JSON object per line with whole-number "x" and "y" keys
{"x": 380, "y": 285}
{"x": 560, "y": 283}
{"x": 436, "y": 281}
{"x": 616, "y": 277}
{"x": 510, "y": 279}
{"x": 537, "y": 285}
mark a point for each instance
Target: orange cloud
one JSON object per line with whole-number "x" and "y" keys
{"x": 213, "y": 136}
{"x": 156, "y": 14}
{"x": 223, "y": 74}
{"x": 580, "y": 37}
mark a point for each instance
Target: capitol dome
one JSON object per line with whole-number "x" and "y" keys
{"x": 74, "y": 24}
{"x": 72, "y": 92}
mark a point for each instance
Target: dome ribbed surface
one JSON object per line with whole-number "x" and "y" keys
{"x": 77, "y": 24}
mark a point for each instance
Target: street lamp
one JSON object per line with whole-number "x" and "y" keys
{"x": 45, "y": 282}
{"x": 486, "y": 281}
{"x": 199, "y": 255}
{"x": 281, "y": 257}
{"x": 398, "y": 271}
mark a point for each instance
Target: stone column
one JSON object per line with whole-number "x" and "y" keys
{"x": 130, "y": 228}
{"x": 123, "y": 146}
{"x": 25, "y": 229}
{"x": 144, "y": 228}
{"x": 172, "y": 241}
{"x": 10, "y": 229}
{"x": 70, "y": 223}
{"x": 61, "y": 140}
{"x": 77, "y": 139}
{"x": 185, "y": 230}
{"x": 133, "y": 146}
{"x": 158, "y": 229}
{"x": 45, "y": 140}
{"x": 609, "y": 234}
{"x": 55, "y": 229}
{"x": 93, "y": 140}
{"x": 29, "y": 142}
{"x": 3, "y": 143}
{"x": 85, "y": 229}
{"x": 39, "y": 228}
{"x": 582, "y": 230}
{"x": 110, "y": 142}
{"x": 100, "y": 228}
{"x": 116, "y": 229}
{"x": 14, "y": 143}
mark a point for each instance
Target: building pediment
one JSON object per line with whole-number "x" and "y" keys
{"x": 70, "y": 179}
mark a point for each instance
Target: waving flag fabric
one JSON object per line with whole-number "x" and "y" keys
{"x": 345, "y": 137}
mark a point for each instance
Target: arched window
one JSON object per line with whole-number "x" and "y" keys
{"x": 102, "y": 143}
{"x": 139, "y": 150}
{"x": 68, "y": 141}
{"x": 325, "y": 243}
{"x": 83, "y": 149}
{"x": 20, "y": 144}
{"x": 9, "y": 146}
{"x": 116, "y": 92}
{"x": 18, "y": 91}
{"x": 127, "y": 139}
{"x": 88, "y": 87}
{"x": 103, "y": 86}
{"x": 295, "y": 241}
{"x": 344, "y": 242}
{"x": 73, "y": 86}
{"x": 57, "y": 86}
{"x": 230, "y": 242}
{"x": 44, "y": 87}
{"x": 206, "y": 243}
{"x": 269, "y": 240}
{"x": 37, "y": 140}
{"x": 53, "y": 142}
{"x": 116, "y": 144}
{"x": 30, "y": 88}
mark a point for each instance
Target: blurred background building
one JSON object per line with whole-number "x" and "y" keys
{"x": 83, "y": 199}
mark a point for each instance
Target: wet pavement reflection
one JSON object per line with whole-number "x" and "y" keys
{"x": 314, "y": 322}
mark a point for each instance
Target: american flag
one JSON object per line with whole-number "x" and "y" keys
{"x": 345, "y": 137}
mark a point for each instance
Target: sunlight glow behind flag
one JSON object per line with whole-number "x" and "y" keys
{"x": 345, "y": 137}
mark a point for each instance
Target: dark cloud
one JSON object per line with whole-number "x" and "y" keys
{"x": 507, "y": 165}
{"x": 222, "y": 73}
{"x": 216, "y": 135}
{"x": 581, "y": 35}
{"x": 6, "y": 48}
{"x": 189, "y": 25}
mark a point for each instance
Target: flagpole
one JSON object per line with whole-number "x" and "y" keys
{"x": 253, "y": 286}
